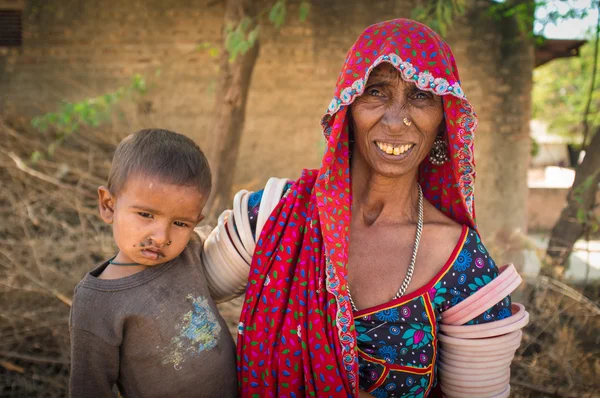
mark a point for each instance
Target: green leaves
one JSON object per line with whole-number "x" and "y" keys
{"x": 213, "y": 51}
{"x": 304, "y": 10}
{"x": 583, "y": 216}
{"x": 241, "y": 38}
{"x": 439, "y": 14}
{"x": 277, "y": 13}
{"x": 560, "y": 94}
{"x": 90, "y": 112}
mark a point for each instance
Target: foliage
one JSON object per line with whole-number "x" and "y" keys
{"x": 242, "y": 37}
{"x": 560, "y": 93}
{"x": 277, "y": 13}
{"x": 439, "y": 14}
{"x": 555, "y": 11}
{"x": 552, "y": 12}
{"x": 90, "y": 112}
{"x": 213, "y": 50}
{"x": 586, "y": 217}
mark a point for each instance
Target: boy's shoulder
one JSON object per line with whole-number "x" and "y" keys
{"x": 92, "y": 290}
{"x": 83, "y": 285}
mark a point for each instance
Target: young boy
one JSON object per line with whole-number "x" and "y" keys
{"x": 144, "y": 320}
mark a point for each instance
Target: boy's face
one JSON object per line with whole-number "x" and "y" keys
{"x": 152, "y": 220}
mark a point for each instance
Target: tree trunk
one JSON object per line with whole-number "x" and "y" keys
{"x": 581, "y": 199}
{"x": 230, "y": 108}
{"x": 497, "y": 55}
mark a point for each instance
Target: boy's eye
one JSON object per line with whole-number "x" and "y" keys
{"x": 145, "y": 215}
{"x": 180, "y": 224}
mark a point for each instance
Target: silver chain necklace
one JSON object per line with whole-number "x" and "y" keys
{"x": 411, "y": 267}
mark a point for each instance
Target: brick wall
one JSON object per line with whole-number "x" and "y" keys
{"x": 77, "y": 49}
{"x": 74, "y": 49}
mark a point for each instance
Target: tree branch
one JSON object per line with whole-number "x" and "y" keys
{"x": 549, "y": 391}
{"x": 586, "y": 112}
{"x": 33, "y": 358}
{"x": 41, "y": 176}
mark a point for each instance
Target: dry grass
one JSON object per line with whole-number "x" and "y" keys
{"x": 560, "y": 354}
{"x": 50, "y": 235}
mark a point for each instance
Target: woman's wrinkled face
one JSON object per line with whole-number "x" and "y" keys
{"x": 389, "y": 146}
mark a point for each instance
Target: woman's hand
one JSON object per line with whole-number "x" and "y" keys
{"x": 364, "y": 394}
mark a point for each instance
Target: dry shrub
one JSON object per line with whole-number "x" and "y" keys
{"x": 51, "y": 235}
{"x": 559, "y": 355}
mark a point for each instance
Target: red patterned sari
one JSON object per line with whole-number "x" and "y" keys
{"x": 297, "y": 335}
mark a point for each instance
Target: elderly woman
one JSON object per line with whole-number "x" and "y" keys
{"x": 358, "y": 260}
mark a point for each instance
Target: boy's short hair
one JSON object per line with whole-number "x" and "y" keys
{"x": 161, "y": 153}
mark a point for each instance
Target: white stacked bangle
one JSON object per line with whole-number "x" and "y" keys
{"x": 228, "y": 249}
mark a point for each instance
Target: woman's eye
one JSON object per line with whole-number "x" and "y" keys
{"x": 145, "y": 215}
{"x": 180, "y": 224}
{"x": 374, "y": 92}
{"x": 421, "y": 95}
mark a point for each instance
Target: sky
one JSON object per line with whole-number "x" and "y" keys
{"x": 567, "y": 29}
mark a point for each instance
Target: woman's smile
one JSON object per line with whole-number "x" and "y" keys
{"x": 394, "y": 151}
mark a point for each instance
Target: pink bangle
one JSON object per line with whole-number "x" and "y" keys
{"x": 445, "y": 355}
{"x": 484, "y": 302}
{"x": 485, "y": 351}
{"x": 504, "y": 394}
{"x": 495, "y": 297}
{"x": 455, "y": 384}
{"x": 466, "y": 365}
{"x": 489, "y": 379}
{"x": 505, "y": 273}
{"x": 519, "y": 323}
{"x": 478, "y": 298}
{"x": 475, "y": 392}
{"x": 518, "y": 312}
{"x": 483, "y": 370}
{"x": 487, "y": 342}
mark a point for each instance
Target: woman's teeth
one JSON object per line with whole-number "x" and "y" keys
{"x": 393, "y": 150}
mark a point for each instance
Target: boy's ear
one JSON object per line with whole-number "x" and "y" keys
{"x": 106, "y": 204}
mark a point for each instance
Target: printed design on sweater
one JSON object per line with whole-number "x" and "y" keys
{"x": 198, "y": 331}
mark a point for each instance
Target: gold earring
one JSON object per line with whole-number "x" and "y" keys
{"x": 407, "y": 121}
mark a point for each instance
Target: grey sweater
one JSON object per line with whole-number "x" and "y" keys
{"x": 153, "y": 334}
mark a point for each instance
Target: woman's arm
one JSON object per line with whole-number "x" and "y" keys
{"x": 228, "y": 249}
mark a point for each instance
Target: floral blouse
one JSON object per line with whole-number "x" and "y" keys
{"x": 397, "y": 341}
